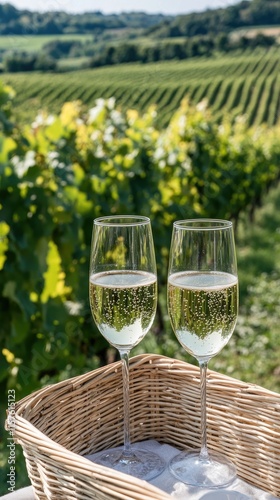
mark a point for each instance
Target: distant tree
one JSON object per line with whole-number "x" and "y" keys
{"x": 8, "y": 13}
{"x": 243, "y": 42}
{"x": 109, "y": 55}
{"x": 60, "y": 48}
{"x": 179, "y": 51}
{"x": 24, "y": 61}
{"x": 44, "y": 63}
{"x": 222, "y": 42}
{"x": 50, "y": 27}
{"x": 153, "y": 54}
{"x": 263, "y": 40}
{"x": 125, "y": 53}
{"x": 175, "y": 31}
{"x": 19, "y": 61}
{"x": 13, "y": 21}
{"x": 263, "y": 13}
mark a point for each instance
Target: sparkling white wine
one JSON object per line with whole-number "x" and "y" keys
{"x": 123, "y": 304}
{"x": 203, "y": 310}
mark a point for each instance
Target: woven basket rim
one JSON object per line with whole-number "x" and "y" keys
{"x": 115, "y": 366}
{"x": 244, "y": 393}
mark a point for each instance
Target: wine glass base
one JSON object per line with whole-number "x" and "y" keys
{"x": 139, "y": 463}
{"x": 215, "y": 472}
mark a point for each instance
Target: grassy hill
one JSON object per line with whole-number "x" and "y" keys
{"x": 244, "y": 14}
{"x": 245, "y": 82}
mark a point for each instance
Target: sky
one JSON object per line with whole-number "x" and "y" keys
{"x": 112, "y": 6}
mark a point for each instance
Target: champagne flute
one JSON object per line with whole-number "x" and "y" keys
{"x": 123, "y": 300}
{"x": 203, "y": 308}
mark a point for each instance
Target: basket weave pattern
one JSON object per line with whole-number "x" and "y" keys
{"x": 59, "y": 424}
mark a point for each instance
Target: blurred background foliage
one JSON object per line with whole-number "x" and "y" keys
{"x": 63, "y": 170}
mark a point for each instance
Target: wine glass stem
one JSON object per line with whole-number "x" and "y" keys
{"x": 124, "y": 354}
{"x": 203, "y": 383}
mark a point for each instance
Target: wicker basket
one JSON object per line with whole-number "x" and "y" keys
{"x": 59, "y": 424}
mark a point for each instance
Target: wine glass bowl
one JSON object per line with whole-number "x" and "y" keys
{"x": 123, "y": 305}
{"x": 203, "y": 309}
{"x": 123, "y": 301}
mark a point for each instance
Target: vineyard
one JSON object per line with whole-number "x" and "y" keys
{"x": 77, "y": 162}
{"x": 244, "y": 83}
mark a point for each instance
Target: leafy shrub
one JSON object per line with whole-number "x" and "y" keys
{"x": 15, "y": 62}
{"x": 61, "y": 172}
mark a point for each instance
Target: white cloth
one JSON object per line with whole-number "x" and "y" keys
{"x": 21, "y": 494}
{"x": 238, "y": 490}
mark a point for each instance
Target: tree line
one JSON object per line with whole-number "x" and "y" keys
{"x": 211, "y": 21}
{"x": 200, "y": 34}
{"x": 206, "y": 46}
{"x": 200, "y": 46}
{"x": 244, "y": 14}
{"x": 24, "y": 22}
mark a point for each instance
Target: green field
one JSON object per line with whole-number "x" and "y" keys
{"x": 244, "y": 83}
{"x": 34, "y": 43}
